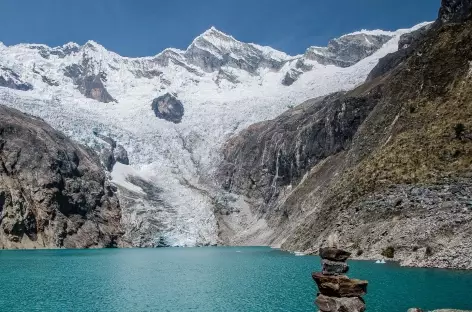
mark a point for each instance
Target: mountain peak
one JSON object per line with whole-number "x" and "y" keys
{"x": 215, "y": 37}
{"x": 93, "y": 45}
{"x": 213, "y": 31}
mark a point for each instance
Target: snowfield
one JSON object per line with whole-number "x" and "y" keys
{"x": 167, "y": 192}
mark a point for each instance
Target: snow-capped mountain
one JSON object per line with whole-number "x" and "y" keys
{"x": 173, "y": 111}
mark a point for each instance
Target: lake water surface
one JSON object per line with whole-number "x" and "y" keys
{"x": 232, "y": 279}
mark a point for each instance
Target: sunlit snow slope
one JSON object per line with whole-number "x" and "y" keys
{"x": 224, "y": 85}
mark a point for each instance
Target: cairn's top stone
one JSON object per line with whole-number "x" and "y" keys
{"x": 334, "y": 254}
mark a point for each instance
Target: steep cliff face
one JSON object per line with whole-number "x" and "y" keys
{"x": 292, "y": 144}
{"x": 386, "y": 166}
{"x": 53, "y": 192}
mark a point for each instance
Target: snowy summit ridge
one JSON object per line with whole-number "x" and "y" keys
{"x": 208, "y": 92}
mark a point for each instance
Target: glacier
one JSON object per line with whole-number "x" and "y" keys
{"x": 167, "y": 192}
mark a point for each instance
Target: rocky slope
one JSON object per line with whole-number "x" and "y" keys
{"x": 386, "y": 167}
{"x": 53, "y": 192}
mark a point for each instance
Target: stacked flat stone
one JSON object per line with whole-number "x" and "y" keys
{"x": 337, "y": 292}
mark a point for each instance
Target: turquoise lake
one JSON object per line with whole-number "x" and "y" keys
{"x": 206, "y": 279}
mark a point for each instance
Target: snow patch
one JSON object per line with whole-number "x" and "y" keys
{"x": 119, "y": 177}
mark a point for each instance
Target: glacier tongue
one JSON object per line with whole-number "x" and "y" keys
{"x": 167, "y": 193}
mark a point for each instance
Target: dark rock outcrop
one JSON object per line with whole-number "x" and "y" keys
{"x": 408, "y": 39}
{"x": 44, "y": 78}
{"x": 223, "y": 75}
{"x": 53, "y": 192}
{"x": 291, "y": 76}
{"x": 60, "y": 52}
{"x": 10, "y": 79}
{"x": 111, "y": 152}
{"x": 168, "y": 107}
{"x": 88, "y": 82}
{"x": 455, "y": 11}
{"x": 92, "y": 87}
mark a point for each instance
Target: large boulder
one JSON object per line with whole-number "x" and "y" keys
{"x": 168, "y": 107}
{"x": 340, "y": 285}
{"x": 334, "y": 254}
{"x": 330, "y": 304}
{"x": 53, "y": 192}
{"x": 334, "y": 267}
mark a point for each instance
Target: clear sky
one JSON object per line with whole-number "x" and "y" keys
{"x": 146, "y": 27}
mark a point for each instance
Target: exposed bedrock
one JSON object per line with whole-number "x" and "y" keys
{"x": 110, "y": 151}
{"x": 89, "y": 80}
{"x": 385, "y": 166}
{"x": 10, "y": 79}
{"x": 53, "y": 192}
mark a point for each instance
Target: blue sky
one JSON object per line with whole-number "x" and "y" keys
{"x": 146, "y": 27}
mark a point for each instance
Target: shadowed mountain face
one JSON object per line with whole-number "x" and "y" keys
{"x": 384, "y": 167}
{"x": 53, "y": 192}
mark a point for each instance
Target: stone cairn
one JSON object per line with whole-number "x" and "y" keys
{"x": 337, "y": 292}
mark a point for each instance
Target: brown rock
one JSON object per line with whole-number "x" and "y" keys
{"x": 331, "y": 304}
{"x": 334, "y": 254}
{"x": 339, "y": 285}
{"x": 334, "y": 267}
{"x": 53, "y": 191}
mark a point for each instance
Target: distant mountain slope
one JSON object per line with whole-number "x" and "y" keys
{"x": 217, "y": 87}
{"x": 385, "y": 167}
